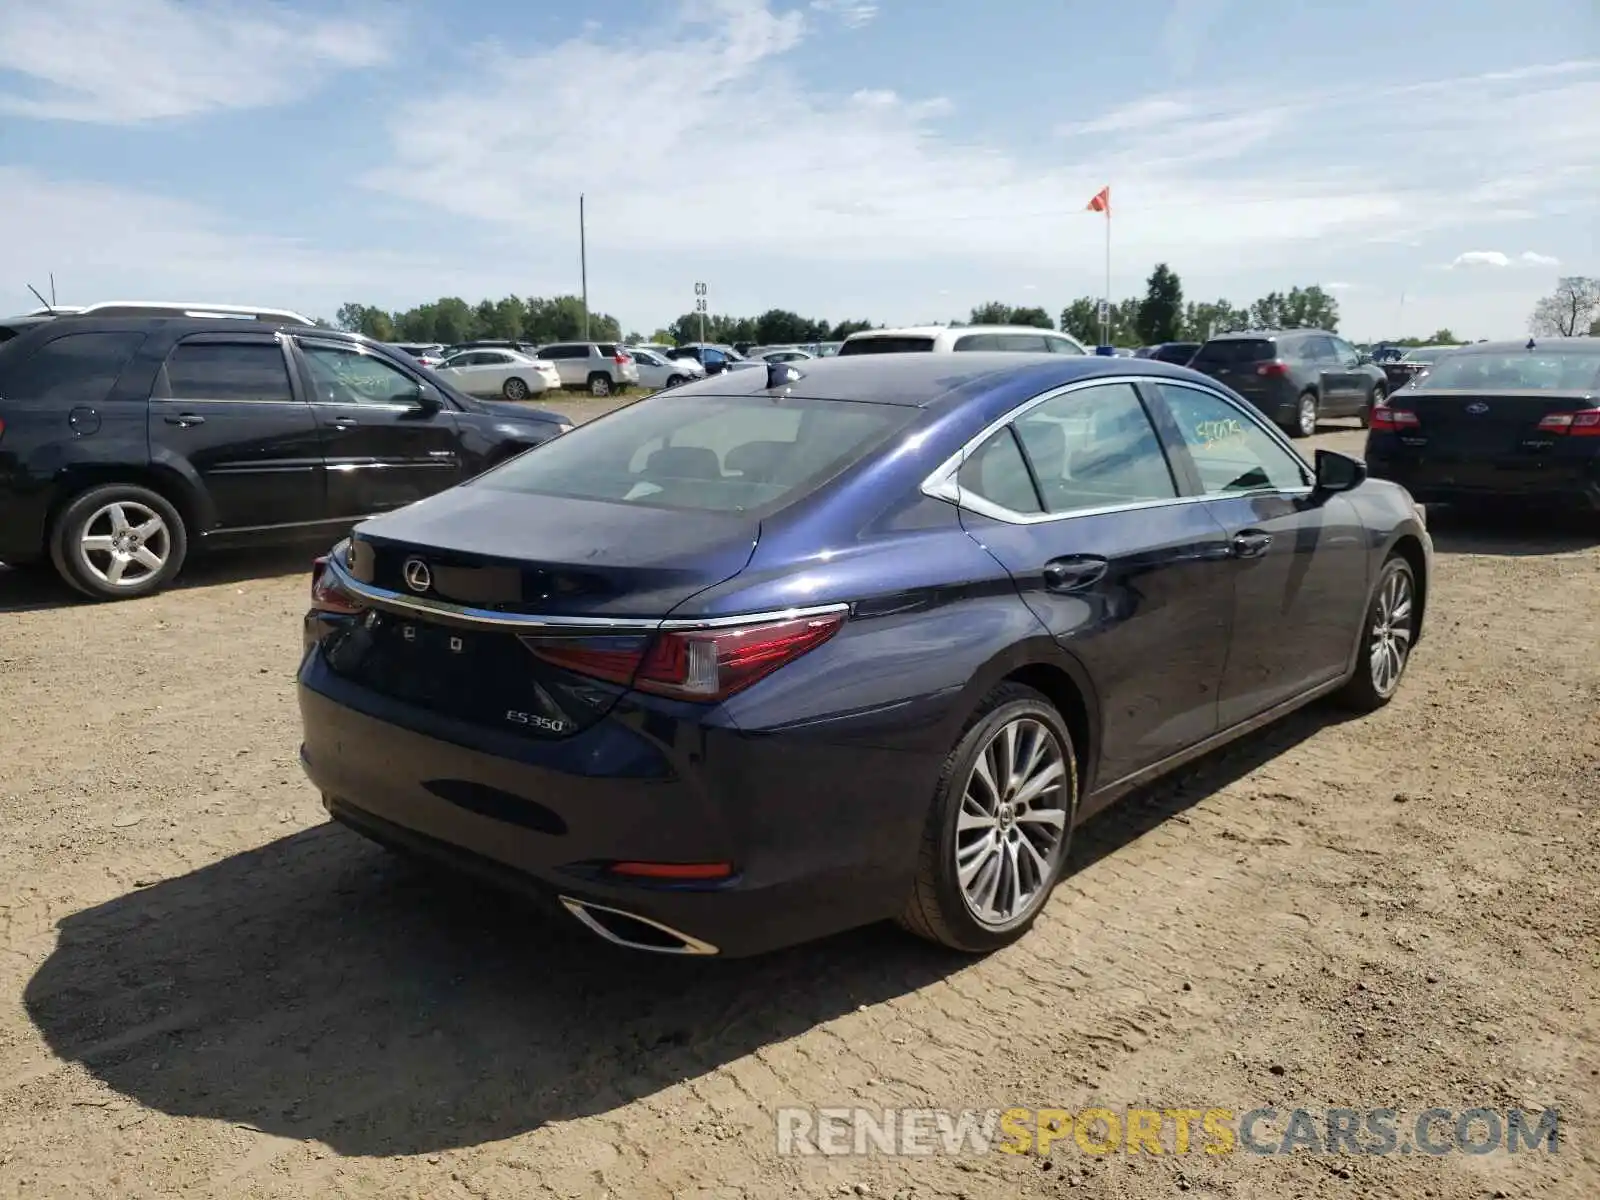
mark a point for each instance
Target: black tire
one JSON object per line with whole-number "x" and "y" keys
{"x": 514, "y": 389}
{"x": 1378, "y": 397}
{"x": 90, "y": 570}
{"x": 937, "y": 908}
{"x": 1366, "y": 690}
{"x": 674, "y": 381}
{"x": 1305, "y": 422}
{"x": 600, "y": 384}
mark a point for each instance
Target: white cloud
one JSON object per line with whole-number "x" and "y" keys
{"x": 1212, "y": 181}
{"x": 853, "y": 13}
{"x": 1338, "y": 286}
{"x": 1497, "y": 258}
{"x": 142, "y": 60}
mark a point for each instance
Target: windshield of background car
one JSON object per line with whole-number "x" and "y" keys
{"x": 1542, "y": 370}
{"x": 1230, "y": 351}
{"x": 725, "y": 454}
{"x": 887, "y": 345}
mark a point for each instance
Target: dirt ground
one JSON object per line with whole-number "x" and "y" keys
{"x": 206, "y": 989}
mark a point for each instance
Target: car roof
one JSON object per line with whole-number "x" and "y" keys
{"x": 960, "y": 330}
{"x": 1561, "y": 345}
{"x": 1257, "y": 335}
{"x": 929, "y": 380}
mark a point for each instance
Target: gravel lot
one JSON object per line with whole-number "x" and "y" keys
{"x": 206, "y": 989}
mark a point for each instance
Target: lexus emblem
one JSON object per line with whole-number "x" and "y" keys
{"x": 1477, "y": 408}
{"x": 418, "y": 577}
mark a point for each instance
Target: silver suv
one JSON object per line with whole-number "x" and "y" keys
{"x": 600, "y": 368}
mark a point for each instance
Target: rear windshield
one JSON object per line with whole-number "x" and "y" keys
{"x": 887, "y": 345}
{"x": 1517, "y": 370}
{"x": 727, "y": 454}
{"x": 1228, "y": 351}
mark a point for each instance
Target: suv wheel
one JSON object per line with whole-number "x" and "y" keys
{"x": 515, "y": 389}
{"x": 118, "y": 541}
{"x": 1000, "y": 825}
{"x": 1305, "y": 416}
{"x": 599, "y": 384}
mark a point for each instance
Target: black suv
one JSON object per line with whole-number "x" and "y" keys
{"x": 1295, "y": 376}
{"x": 127, "y": 443}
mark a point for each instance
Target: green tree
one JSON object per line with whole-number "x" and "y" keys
{"x": 844, "y": 329}
{"x": 1081, "y": 319}
{"x": 364, "y": 319}
{"x": 1160, "y": 317}
{"x": 996, "y": 313}
{"x": 1310, "y": 308}
{"x": 1204, "y": 319}
{"x": 1572, "y": 308}
{"x": 1035, "y": 318}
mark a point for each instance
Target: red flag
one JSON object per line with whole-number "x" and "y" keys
{"x": 1100, "y": 201}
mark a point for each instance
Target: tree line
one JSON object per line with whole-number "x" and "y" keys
{"x": 1160, "y": 315}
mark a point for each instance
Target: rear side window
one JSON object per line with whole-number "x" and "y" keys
{"x": 563, "y": 352}
{"x": 79, "y": 367}
{"x": 887, "y": 345}
{"x": 1023, "y": 343}
{"x": 728, "y": 454}
{"x": 228, "y": 371}
{"x": 980, "y": 342}
{"x": 997, "y": 472}
{"x": 608, "y": 351}
{"x": 1057, "y": 345}
{"x": 1233, "y": 351}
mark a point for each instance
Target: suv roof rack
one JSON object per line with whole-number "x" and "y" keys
{"x": 158, "y": 308}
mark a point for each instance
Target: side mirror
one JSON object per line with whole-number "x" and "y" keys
{"x": 424, "y": 397}
{"x": 1338, "y": 472}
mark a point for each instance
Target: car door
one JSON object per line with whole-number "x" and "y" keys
{"x": 1299, "y": 558}
{"x": 1353, "y": 379}
{"x": 492, "y": 370}
{"x": 384, "y": 443}
{"x": 1316, "y": 355}
{"x": 227, "y": 405}
{"x": 1077, "y": 501}
{"x": 571, "y": 362}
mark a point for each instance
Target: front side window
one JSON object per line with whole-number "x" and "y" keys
{"x": 228, "y": 371}
{"x": 1230, "y": 449}
{"x": 344, "y": 375}
{"x": 1094, "y": 447}
{"x": 728, "y": 454}
{"x": 978, "y": 342}
{"x": 1023, "y": 343}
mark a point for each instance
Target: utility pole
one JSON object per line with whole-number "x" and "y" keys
{"x": 583, "y": 265}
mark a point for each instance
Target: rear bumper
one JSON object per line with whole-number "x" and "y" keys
{"x": 1445, "y": 480}
{"x": 545, "y": 817}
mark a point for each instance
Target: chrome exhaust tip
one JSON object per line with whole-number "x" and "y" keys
{"x": 624, "y": 928}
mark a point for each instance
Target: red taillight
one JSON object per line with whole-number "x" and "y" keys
{"x": 622, "y": 359}
{"x": 1273, "y": 370}
{"x": 326, "y": 595}
{"x": 691, "y": 664}
{"x": 1585, "y": 423}
{"x": 1392, "y": 419}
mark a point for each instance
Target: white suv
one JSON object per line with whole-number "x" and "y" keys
{"x": 946, "y": 339}
{"x": 598, "y": 367}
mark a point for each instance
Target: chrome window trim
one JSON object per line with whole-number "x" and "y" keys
{"x": 940, "y": 484}
{"x": 468, "y": 615}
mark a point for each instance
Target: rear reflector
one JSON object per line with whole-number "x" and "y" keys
{"x": 1273, "y": 370}
{"x": 1575, "y": 424}
{"x": 655, "y": 870}
{"x": 1391, "y": 419}
{"x": 691, "y": 664}
{"x": 326, "y": 595}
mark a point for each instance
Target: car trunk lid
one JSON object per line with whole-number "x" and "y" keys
{"x": 1484, "y": 422}
{"x": 458, "y": 584}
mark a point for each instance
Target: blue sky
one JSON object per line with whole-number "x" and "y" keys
{"x": 843, "y": 158}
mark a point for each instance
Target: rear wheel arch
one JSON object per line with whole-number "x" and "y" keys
{"x": 1043, "y": 665}
{"x": 167, "y": 483}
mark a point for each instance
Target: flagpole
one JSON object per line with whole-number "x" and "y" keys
{"x": 1105, "y": 332}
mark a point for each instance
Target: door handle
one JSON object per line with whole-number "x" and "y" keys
{"x": 184, "y": 420}
{"x": 345, "y": 422}
{"x": 1252, "y": 543}
{"x": 1073, "y": 574}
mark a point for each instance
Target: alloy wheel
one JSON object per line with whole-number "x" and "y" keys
{"x": 515, "y": 389}
{"x": 1012, "y": 826}
{"x": 600, "y": 386}
{"x": 1308, "y": 415}
{"x": 1391, "y": 633}
{"x": 125, "y": 543}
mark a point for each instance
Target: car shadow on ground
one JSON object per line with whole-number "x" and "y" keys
{"x": 37, "y": 587}
{"x": 317, "y": 988}
{"x": 1511, "y": 533}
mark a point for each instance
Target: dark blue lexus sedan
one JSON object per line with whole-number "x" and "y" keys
{"x": 789, "y": 651}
